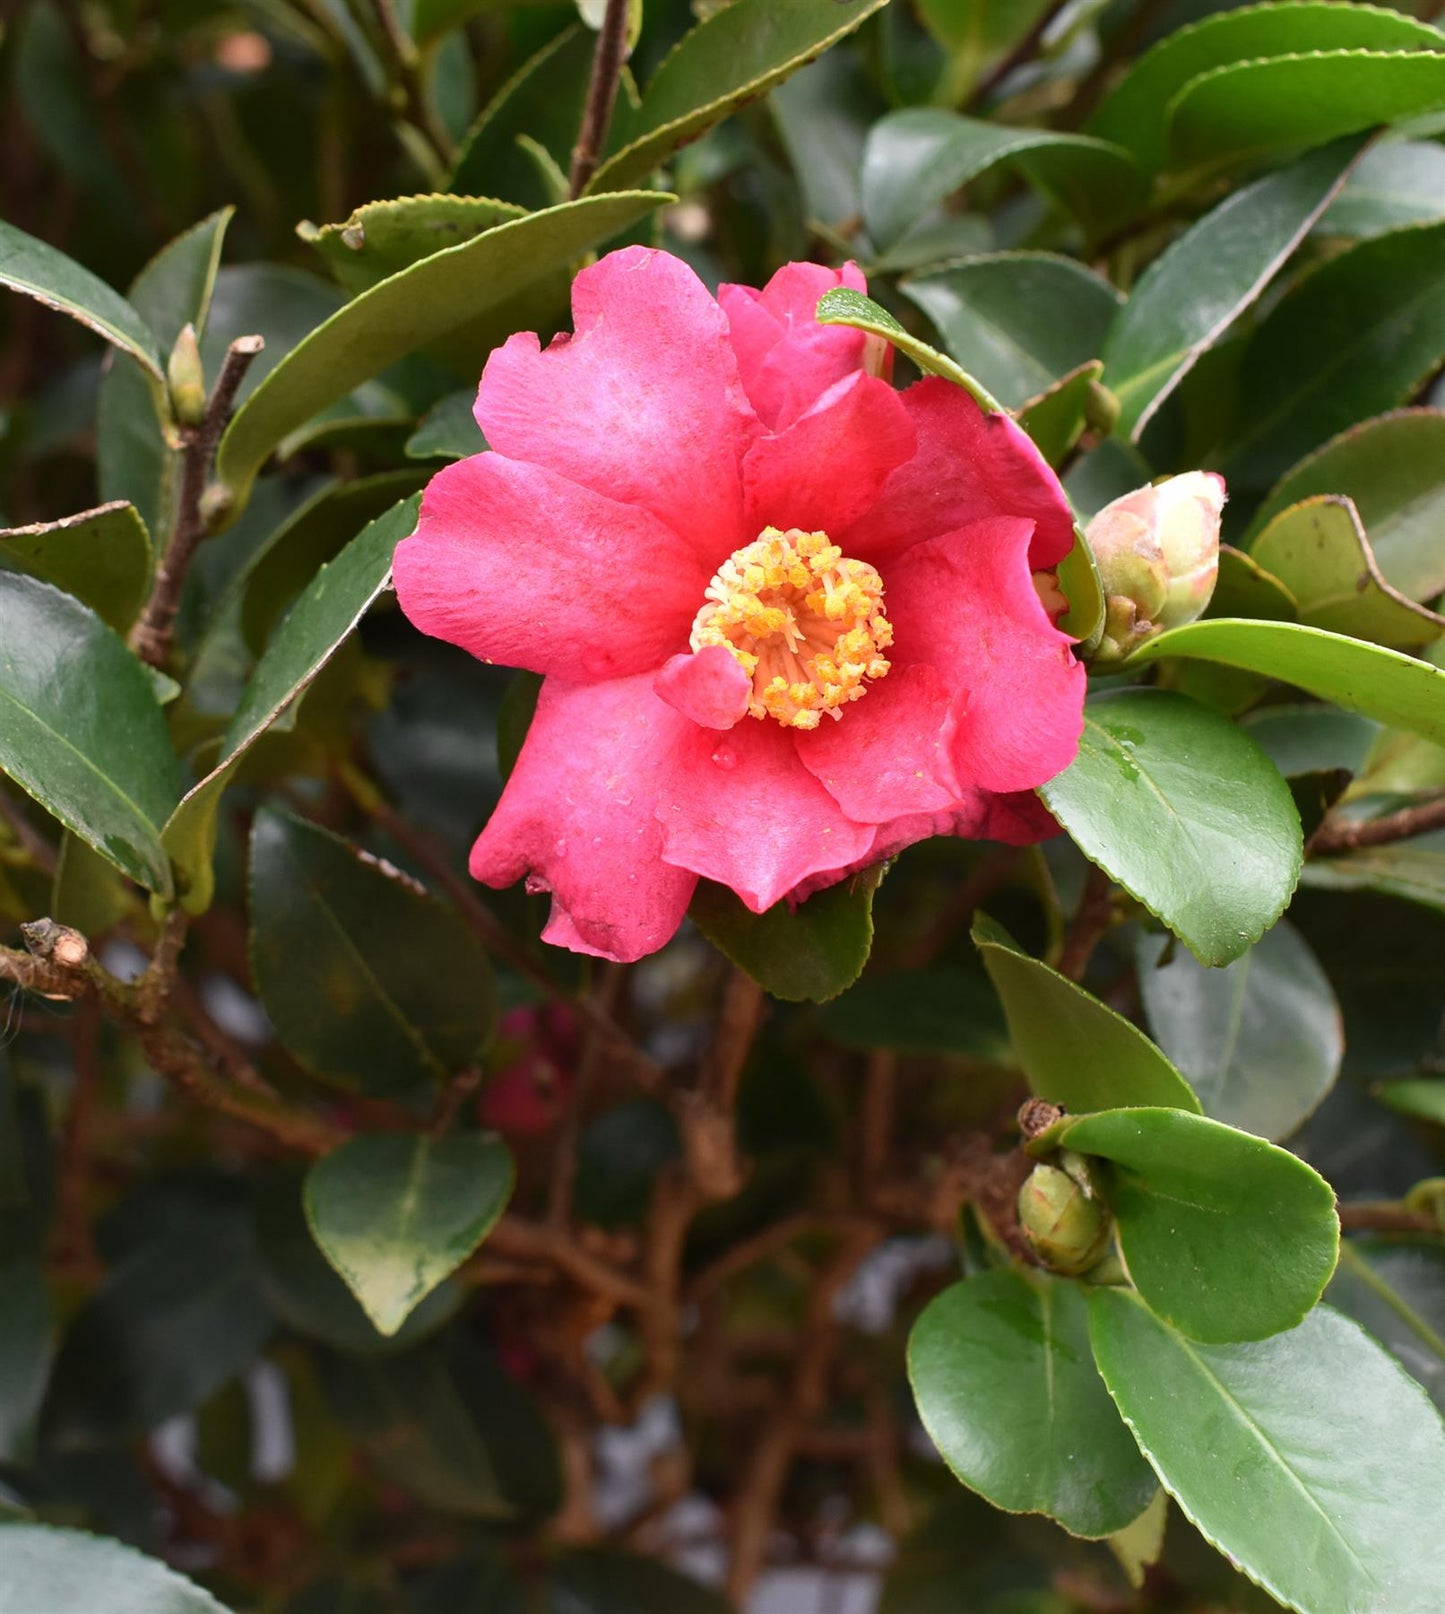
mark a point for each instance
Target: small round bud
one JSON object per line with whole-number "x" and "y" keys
{"x": 1157, "y": 550}
{"x": 1066, "y": 1225}
{"x": 186, "y": 379}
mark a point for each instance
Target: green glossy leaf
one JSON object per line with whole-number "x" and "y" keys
{"x": 1319, "y": 551}
{"x": 70, "y": 1572}
{"x": 1424, "y": 1096}
{"x": 598, "y": 1581}
{"x": 1260, "y": 1041}
{"x": 368, "y": 980}
{"x": 1356, "y": 337}
{"x": 101, "y": 556}
{"x": 454, "y": 287}
{"x": 1397, "y": 183}
{"x": 1226, "y": 1237}
{"x": 1244, "y": 588}
{"x": 1412, "y": 870}
{"x": 318, "y": 624}
{"x": 80, "y": 728}
{"x": 1298, "y": 1456}
{"x": 931, "y": 1011}
{"x": 823, "y": 114}
{"x": 1312, "y": 739}
{"x": 383, "y": 238}
{"x": 1055, "y": 417}
{"x": 1193, "y": 292}
{"x": 976, "y": 34}
{"x": 1019, "y": 321}
{"x": 735, "y": 54}
{"x": 1136, "y": 111}
{"x": 1186, "y": 812}
{"x": 1075, "y": 1050}
{"x": 919, "y": 157}
{"x": 39, "y": 271}
{"x": 1397, "y": 1292}
{"x": 1393, "y": 468}
{"x": 1394, "y": 689}
{"x": 449, "y": 431}
{"x": 1249, "y": 109}
{"x": 807, "y": 955}
{"x": 395, "y": 1215}
{"x": 1008, "y": 1392}
{"x": 844, "y": 306}
{"x": 24, "y": 1356}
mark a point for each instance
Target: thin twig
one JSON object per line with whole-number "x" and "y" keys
{"x": 601, "y": 96}
{"x": 517, "y": 1239}
{"x": 769, "y": 1241}
{"x": 875, "y": 1122}
{"x": 151, "y": 636}
{"x": 1350, "y": 834}
{"x": 407, "y": 75}
{"x": 1386, "y": 1216}
{"x": 1094, "y": 917}
{"x": 1023, "y": 52}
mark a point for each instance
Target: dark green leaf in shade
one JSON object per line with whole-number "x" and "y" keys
{"x": 454, "y": 287}
{"x": 1260, "y": 1040}
{"x": 1075, "y": 1050}
{"x": 368, "y": 980}
{"x": 1393, "y": 468}
{"x": 807, "y": 954}
{"x": 619, "y": 1155}
{"x": 1394, "y": 689}
{"x": 70, "y": 1572}
{"x": 928, "y": 1011}
{"x": 595, "y": 1580}
{"x": 1226, "y": 1237}
{"x": 1019, "y": 321}
{"x": 1250, "y": 109}
{"x": 1398, "y": 182}
{"x": 1423, "y": 1096}
{"x": 448, "y": 431}
{"x": 844, "y": 306}
{"x": 734, "y": 55}
{"x": 396, "y": 1214}
{"x": 319, "y": 622}
{"x": 1244, "y": 588}
{"x": 1299, "y": 1456}
{"x": 101, "y": 556}
{"x": 917, "y": 158}
{"x": 1137, "y": 109}
{"x": 39, "y": 271}
{"x": 1008, "y": 1392}
{"x": 1186, "y": 812}
{"x": 1355, "y": 337}
{"x": 1193, "y": 292}
{"x": 480, "y": 1583}
{"x": 24, "y": 1356}
{"x": 382, "y": 238}
{"x": 80, "y": 728}
{"x": 823, "y": 114}
{"x": 1397, "y": 1292}
{"x": 1319, "y": 551}
{"x": 1055, "y": 417}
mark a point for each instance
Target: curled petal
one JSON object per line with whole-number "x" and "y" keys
{"x": 579, "y": 818}
{"x": 642, "y": 404}
{"x": 522, "y": 567}
{"x": 709, "y": 687}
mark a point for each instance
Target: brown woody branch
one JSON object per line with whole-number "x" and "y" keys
{"x": 601, "y": 96}
{"x": 1351, "y": 834}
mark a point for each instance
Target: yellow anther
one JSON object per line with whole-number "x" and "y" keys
{"x": 805, "y": 622}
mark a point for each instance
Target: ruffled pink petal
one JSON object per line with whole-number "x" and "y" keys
{"x": 743, "y": 810}
{"x": 520, "y": 566}
{"x": 642, "y": 404}
{"x": 708, "y": 686}
{"x": 966, "y": 603}
{"x": 579, "y": 817}
{"x": 787, "y": 360}
{"x": 889, "y": 752}
{"x": 828, "y": 468}
{"x": 969, "y": 465}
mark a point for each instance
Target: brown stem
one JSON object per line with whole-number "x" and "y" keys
{"x": 151, "y": 636}
{"x": 407, "y": 75}
{"x": 515, "y": 1238}
{"x": 1023, "y": 52}
{"x": 74, "y": 1246}
{"x": 1350, "y": 834}
{"x": 1094, "y": 917}
{"x": 1386, "y": 1217}
{"x": 769, "y": 1241}
{"x": 27, "y": 838}
{"x": 601, "y": 96}
{"x": 875, "y": 1123}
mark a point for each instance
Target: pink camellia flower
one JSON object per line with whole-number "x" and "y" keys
{"x": 787, "y": 615}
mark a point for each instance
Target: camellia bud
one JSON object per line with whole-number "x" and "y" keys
{"x": 186, "y": 380}
{"x": 1065, "y": 1222}
{"x": 1157, "y": 550}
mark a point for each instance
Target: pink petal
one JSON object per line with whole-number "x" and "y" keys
{"x": 889, "y": 752}
{"x": 786, "y": 359}
{"x": 708, "y": 686}
{"x": 520, "y": 566}
{"x": 579, "y": 817}
{"x": 966, "y": 603}
{"x": 643, "y": 404}
{"x": 969, "y": 465}
{"x": 743, "y": 810}
{"x": 827, "y": 469}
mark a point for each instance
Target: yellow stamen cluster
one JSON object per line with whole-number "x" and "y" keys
{"x": 805, "y": 622}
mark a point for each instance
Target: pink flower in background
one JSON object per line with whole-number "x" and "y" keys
{"x": 786, "y": 614}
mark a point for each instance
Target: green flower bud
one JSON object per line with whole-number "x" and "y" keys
{"x": 1157, "y": 550}
{"x": 186, "y": 379}
{"x": 1065, "y": 1222}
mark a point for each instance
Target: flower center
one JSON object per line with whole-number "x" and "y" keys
{"x": 805, "y": 622}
